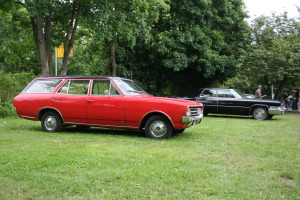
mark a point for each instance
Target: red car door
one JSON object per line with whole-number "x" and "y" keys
{"x": 105, "y": 105}
{"x": 71, "y": 102}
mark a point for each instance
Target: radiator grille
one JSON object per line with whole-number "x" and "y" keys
{"x": 194, "y": 111}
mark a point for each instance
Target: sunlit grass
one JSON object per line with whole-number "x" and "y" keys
{"x": 222, "y": 158}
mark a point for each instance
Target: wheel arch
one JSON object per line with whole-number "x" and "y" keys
{"x": 258, "y": 105}
{"x": 47, "y": 109}
{"x": 150, "y": 114}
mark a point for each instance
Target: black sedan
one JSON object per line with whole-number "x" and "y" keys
{"x": 231, "y": 101}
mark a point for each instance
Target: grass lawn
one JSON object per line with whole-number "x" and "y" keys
{"x": 222, "y": 158}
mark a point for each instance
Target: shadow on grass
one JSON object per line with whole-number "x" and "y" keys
{"x": 230, "y": 116}
{"x": 103, "y": 131}
{"x": 237, "y": 117}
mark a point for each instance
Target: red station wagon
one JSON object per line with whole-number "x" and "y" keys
{"x": 101, "y": 101}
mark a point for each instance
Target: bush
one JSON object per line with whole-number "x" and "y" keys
{"x": 12, "y": 84}
{"x": 6, "y": 109}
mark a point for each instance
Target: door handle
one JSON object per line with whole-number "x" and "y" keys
{"x": 90, "y": 100}
{"x": 55, "y": 99}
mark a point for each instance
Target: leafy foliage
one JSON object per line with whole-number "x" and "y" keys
{"x": 6, "y": 109}
{"x": 274, "y": 56}
{"x": 12, "y": 84}
{"x": 119, "y": 23}
{"x": 195, "y": 44}
{"x": 17, "y": 50}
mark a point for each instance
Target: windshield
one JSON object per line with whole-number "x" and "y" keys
{"x": 129, "y": 87}
{"x": 238, "y": 94}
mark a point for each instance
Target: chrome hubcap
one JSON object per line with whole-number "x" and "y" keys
{"x": 158, "y": 128}
{"x": 50, "y": 123}
{"x": 260, "y": 114}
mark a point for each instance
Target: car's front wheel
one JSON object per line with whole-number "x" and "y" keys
{"x": 158, "y": 127}
{"x": 51, "y": 122}
{"x": 260, "y": 113}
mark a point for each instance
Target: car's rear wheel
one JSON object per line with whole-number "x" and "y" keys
{"x": 260, "y": 113}
{"x": 158, "y": 127}
{"x": 51, "y": 122}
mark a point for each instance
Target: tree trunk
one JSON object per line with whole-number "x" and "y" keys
{"x": 42, "y": 38}
{"x": 48, "y": 29}
{"x": 279, "y": 88}
{"x": 76, "y": 13}
{"x": 112, "y": 63}
{"x": 41, "y": 43}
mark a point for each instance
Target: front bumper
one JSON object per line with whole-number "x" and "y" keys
{"x": 192, "y": 120}
{"x": 276, "y": 110}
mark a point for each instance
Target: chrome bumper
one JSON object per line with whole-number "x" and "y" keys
{"x": 192, "y": 120}
{"x": 274, "y": 110}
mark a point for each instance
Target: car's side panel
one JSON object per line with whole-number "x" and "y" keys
{"x": 138, "y": 108}
{"x": 233, "y": 106}
{"x": 29, "y": 110}
{"x": 106, "y": 110}
{"x": 71, "y": 107}
{"x": 211, "y": 104}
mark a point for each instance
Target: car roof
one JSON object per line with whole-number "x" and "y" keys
{"x": 79, "y": 77}
{"x": 75, "y": 76}
{"x": 216, "y": 89}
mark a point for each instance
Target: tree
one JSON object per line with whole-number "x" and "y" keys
{"x": 274, "y": 56}
{"x": 17, "y": 50}
{"x": 121, "y": 22}
{"x": 54, "y": 22}
{"x": 194, "y": 45}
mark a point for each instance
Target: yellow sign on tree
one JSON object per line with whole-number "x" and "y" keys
{"x": 61, "y": 50}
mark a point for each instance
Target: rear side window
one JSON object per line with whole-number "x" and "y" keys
{"x": 209, "y": 93}
{"x": 75, "y": 87}
{"x": 104, "y": 87}
{"x": 42, "y": 86}
{"x": 225, "y": 94}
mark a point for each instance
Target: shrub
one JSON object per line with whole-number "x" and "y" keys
{"x": 12, "y": 84}
{"x": 6, "y": 109}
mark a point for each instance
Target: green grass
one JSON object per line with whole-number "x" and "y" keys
{"x": 222, "y": 158}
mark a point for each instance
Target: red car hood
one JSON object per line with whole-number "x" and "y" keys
{"x": 165, "y": 99}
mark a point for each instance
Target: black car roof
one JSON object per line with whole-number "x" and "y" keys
{"x": 215, "y": 89}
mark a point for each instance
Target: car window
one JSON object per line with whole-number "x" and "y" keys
{"x": 209, "y": 93}
{"x": 238, "y": 94}
{"x": 43, "y": 86}
{"x": 75, "y": 87}
{"x": 225, "y": 94}
{"x": 129, "y": 87}
{"x": 104, "y": 87}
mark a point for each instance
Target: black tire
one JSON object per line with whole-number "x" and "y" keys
{"x": 51, "y": 122}
{"x": 260, "y": 113}
{"x": 271, "y": 116}
{"x": 158, "y": 127}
